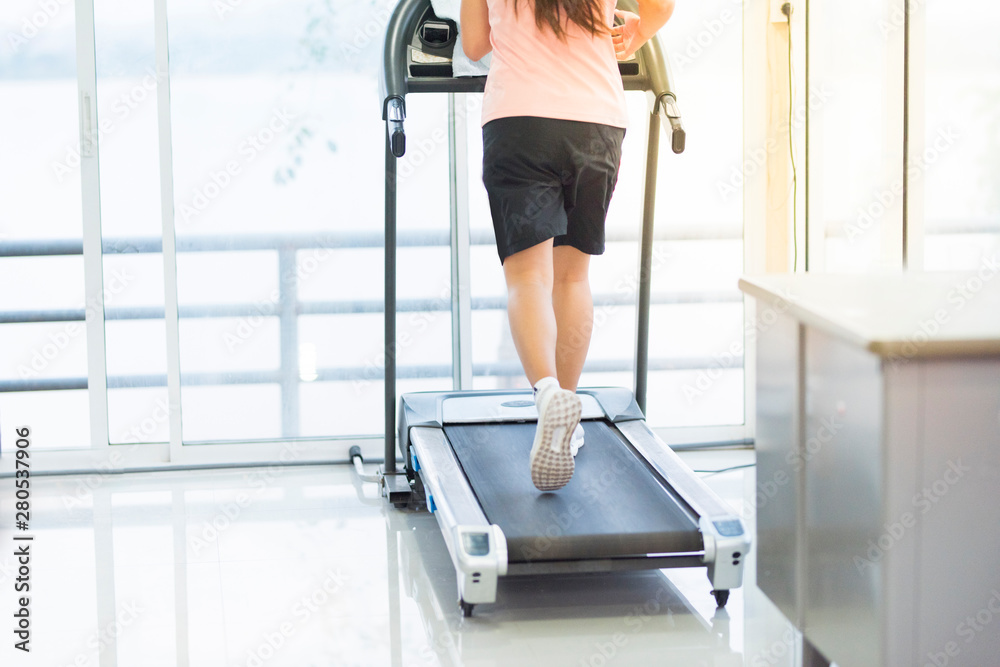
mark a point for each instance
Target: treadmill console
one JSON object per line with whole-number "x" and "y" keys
{"x": 430, "y": 51}
{"x": 432, "y": 46}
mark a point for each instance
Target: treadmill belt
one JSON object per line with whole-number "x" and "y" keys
{"x": 613, "y": 506}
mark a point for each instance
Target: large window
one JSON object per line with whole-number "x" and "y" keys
{"x": 43, "y": 367}
{"x": 855, "y": 175}
{"x": 696, "y": 320}
{"x": 958, "y": 163}
{"x": 904, "y": 155}
{"x": 696, "y": 323}
{"x": 236, "y": 215}
{"x": 277, "y": 160}
{"x": 237, "y": 207}
{"x": 131, "y": 223}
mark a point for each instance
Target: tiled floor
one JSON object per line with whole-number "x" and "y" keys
{"x": 305, "y": 566}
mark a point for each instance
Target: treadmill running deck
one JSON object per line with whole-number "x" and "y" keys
{"x": 613, "y": 507}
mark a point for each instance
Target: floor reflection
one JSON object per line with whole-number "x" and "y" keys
{"x": 308, "y": 567}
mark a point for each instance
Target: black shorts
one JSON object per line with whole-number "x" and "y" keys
{"x": 550, "y": 179}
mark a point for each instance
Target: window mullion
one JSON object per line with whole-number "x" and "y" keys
{"x": 93, "y": 260}
{"x": 915, "y": 133}
{"x": 171, "y": 318}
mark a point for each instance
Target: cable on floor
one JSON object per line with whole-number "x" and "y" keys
{"x": 720, "y": 470}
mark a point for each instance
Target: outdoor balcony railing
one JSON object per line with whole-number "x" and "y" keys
{"x": 289, "y": 308}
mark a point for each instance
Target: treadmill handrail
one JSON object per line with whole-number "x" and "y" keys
{"x": 393, "y": 75}
{"x": 657, "y": 66}
{"x": 654, "y": 58}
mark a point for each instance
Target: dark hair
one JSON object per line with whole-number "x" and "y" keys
{"x": 556, "y": 14}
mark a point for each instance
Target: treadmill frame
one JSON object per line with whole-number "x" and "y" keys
{"x": 430, "y": 460}
{"x": 649, "y": 72}
{"x": 440, "y": 482}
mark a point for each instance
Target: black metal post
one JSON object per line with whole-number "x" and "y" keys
{"x": 646, "y": 263}
{"x": 390, "y": 309}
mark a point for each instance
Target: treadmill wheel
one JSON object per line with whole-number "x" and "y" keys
{"x": 467, "y": 608}
{"x": 721, "y": 597}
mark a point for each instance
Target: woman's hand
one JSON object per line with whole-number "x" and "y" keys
{"x": 635, "y": 31}
{"x": 624, "y": 36}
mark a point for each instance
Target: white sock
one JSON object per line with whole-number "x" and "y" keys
{"x": 543, "y": 385}
{"x": 577, "y": 442}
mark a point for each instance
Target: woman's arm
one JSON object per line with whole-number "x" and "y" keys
{"x": 637, "y": 29}
{"x": 475, "y": 29}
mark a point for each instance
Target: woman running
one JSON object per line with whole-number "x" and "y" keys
{"x": 554, "y": 118}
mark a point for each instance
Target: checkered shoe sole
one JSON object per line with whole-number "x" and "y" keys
{"x": 552, "y": 462}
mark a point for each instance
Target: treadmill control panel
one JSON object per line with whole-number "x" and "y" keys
{"x": 432, "y": 47}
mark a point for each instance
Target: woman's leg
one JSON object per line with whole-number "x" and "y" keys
{"x": 529, "y": 275}
{"x": 529, "y": 310}
{"x": 573, "y": 306}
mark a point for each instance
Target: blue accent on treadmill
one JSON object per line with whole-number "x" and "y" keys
{"x": 430, "y": 504}
{"x": 416, "y": 462}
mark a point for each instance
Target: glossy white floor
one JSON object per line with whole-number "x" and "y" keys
{"x": 302, "y": 566}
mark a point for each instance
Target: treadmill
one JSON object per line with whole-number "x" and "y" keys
{"x": 632, "y": 503}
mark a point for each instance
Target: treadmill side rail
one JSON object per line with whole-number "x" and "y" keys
{"x": 444, "y": 480}
{"x": 478, "y": 549}
{"x": 725, "y": 537}
{"x": 690, "y": 487}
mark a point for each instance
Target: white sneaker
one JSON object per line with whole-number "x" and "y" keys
{"x": 551, "y": 458}
{"x": 577, "y": 442}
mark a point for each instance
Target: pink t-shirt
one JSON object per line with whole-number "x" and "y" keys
{"x": 534, "y": 73}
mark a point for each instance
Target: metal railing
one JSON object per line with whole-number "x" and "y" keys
{"x": 288, "y": 308}
{"x": 958, "y": 227}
